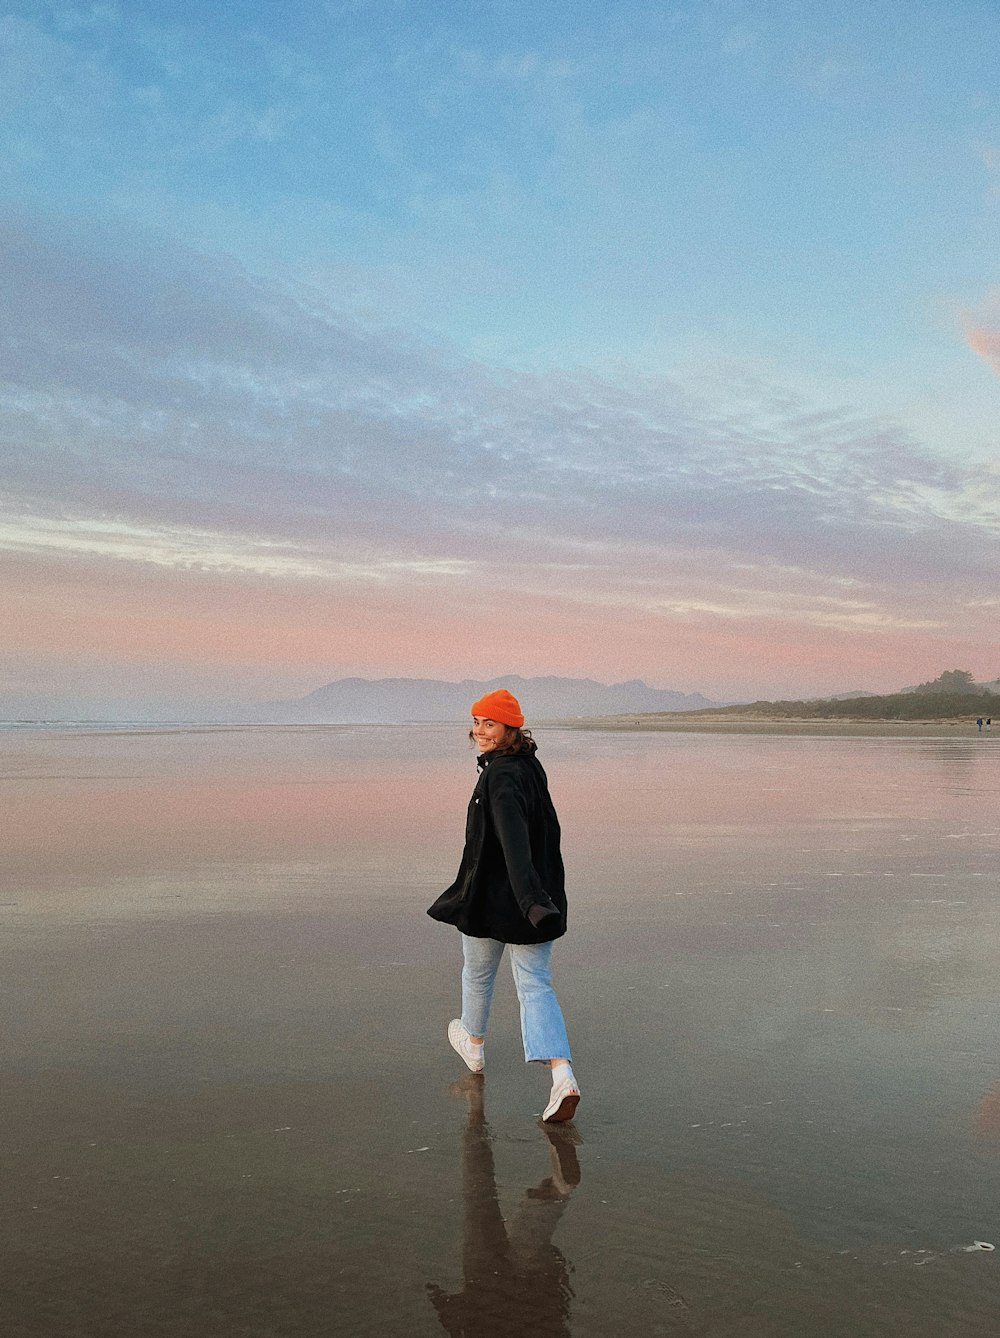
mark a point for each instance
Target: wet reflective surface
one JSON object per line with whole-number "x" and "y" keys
{"x": 229, "y": 1105}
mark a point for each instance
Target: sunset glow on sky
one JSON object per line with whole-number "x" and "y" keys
{"x": 393, "y": 338}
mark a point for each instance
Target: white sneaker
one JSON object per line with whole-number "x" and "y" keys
{"x": 563, "y": 1103}
{"x": 460, "y": 1042}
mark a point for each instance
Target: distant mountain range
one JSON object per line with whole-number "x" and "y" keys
{"x": 390, "y": 700}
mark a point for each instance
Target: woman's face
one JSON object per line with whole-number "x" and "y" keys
{"x": 488, "y": 734}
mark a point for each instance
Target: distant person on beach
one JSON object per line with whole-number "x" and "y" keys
{"x": 979, "y": 723}
{"x": 989, "y": 722}
{"x": 510, "y": 892}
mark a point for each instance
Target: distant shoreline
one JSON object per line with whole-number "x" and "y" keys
{"x": 667, "y": 722}
{"x": 677, "y": 722}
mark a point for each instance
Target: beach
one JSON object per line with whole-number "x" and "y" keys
{"x": 681, "y": 722}
{"x": 231, "y": 1108}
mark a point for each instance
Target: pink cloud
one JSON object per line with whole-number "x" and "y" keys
{"x": 986, "y": 343}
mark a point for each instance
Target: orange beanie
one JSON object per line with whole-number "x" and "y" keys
{"x": 499, "y": 706}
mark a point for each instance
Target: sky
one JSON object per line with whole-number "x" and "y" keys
{"x": 417, "y": 337}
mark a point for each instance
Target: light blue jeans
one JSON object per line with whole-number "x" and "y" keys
{"x": 543, "y": 1030}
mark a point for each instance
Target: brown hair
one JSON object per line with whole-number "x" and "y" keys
{"x": 521, "y": 742}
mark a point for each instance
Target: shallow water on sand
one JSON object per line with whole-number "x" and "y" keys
{"x": 229, "y": 1107}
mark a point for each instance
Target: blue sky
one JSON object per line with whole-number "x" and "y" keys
{"x": 679, "y": 320}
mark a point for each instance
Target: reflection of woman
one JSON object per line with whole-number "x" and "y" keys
{"x": 516, "y": 1280}
{"x": 510, "y": 892}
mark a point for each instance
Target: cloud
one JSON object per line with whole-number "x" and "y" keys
{"x": 981, "y": 329}
{"x": 985, "y": 342}
{"x": 164, "y": 410}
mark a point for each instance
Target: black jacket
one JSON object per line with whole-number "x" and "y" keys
{"x": 511, "y": 860}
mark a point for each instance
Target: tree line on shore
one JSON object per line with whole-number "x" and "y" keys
{"x": 952, "y": 695}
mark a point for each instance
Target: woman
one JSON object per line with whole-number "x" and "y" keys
{"x": 510, "y": 890}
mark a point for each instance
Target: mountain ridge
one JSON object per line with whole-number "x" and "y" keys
{"x": 432, "y": 700}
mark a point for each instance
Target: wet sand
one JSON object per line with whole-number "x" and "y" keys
{"x": 229, "y": 1106}
{"x": 735, "y": 724}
